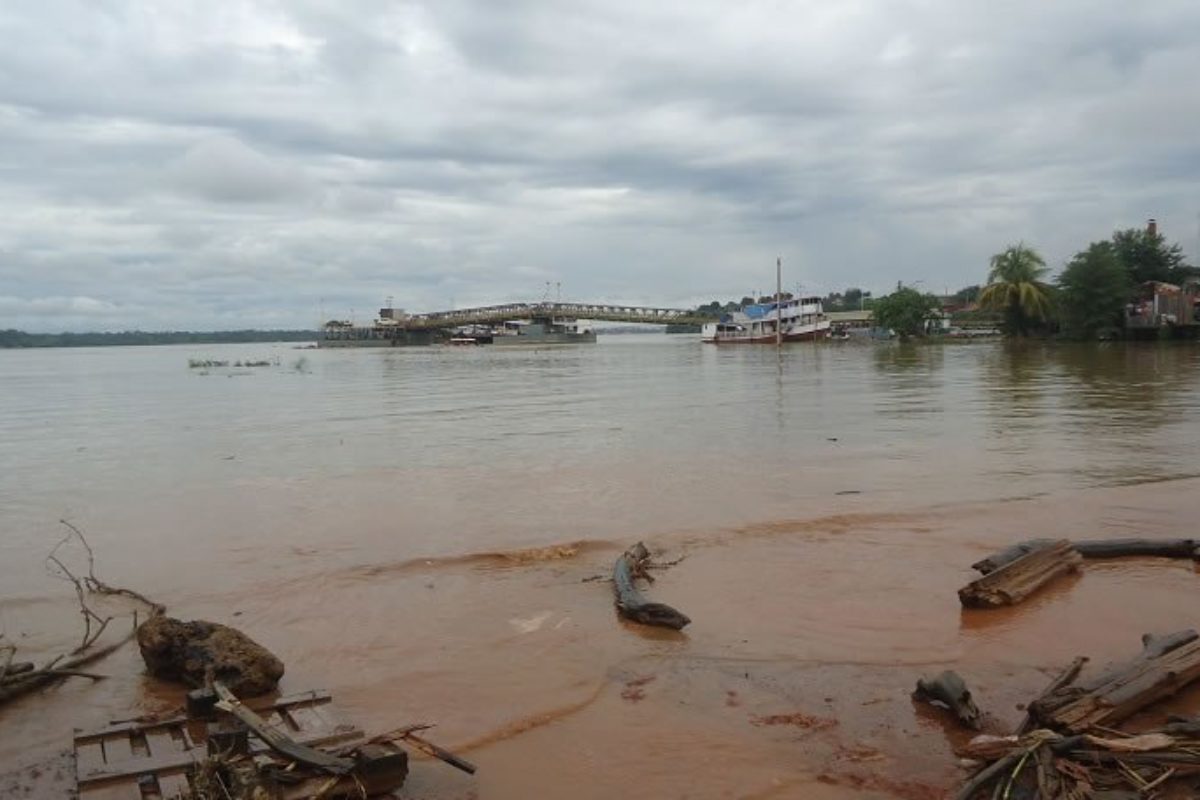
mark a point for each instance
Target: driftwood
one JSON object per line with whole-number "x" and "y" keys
{"x": 20, "y": 678}
{"x": 1098, "y": 549}
{"x": 949, "y": 690}
{"x": 1083, "y": 756}
{"x": 1065, "y": 678}
{"x": 1165, "y": 665}
{"x": 630, "y": 602}
{"x": 1021, "y": 577}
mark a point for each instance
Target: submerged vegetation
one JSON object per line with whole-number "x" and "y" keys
{"x": 204, "y": 363}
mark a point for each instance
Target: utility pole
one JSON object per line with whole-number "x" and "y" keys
{"x": 779, "y": 301}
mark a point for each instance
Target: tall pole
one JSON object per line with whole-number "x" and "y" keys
{"x": 779, "y": 301}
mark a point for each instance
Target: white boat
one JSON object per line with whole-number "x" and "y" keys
{"x": 799, "y": 319}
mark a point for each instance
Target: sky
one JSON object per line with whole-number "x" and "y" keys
{"x": 213, "y": 165}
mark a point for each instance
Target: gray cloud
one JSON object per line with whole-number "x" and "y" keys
{"x": 248, "y": 164}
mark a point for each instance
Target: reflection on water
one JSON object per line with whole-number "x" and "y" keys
{"x": 411, "y": 530}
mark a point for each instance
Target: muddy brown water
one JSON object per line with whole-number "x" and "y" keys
{"x": 412, "y": 530}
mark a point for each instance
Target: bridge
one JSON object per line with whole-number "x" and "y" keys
{"x": 490, "y": 315}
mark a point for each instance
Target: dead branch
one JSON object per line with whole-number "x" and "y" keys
{"x": 16, "y": 682}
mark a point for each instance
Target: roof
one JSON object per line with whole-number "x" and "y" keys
{"x": 850, "y": 316}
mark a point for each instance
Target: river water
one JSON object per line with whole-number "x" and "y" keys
{"x": 413, "y": 530}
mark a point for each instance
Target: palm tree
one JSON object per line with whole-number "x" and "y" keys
{"x": 1015, "y": 287}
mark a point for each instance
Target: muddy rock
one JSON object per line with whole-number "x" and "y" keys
{"x": 195, "y": 653}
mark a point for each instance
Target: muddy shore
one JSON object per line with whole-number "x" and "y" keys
{"x": 793, "y": 680}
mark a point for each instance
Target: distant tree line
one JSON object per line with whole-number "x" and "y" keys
{"x": 15, "y": 338}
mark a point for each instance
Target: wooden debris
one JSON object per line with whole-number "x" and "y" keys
{"x": 950, "y": 691}
{"x": 1077, "y": 753}
{"x": 1016, "y": 580}
{"x": 1098, "y": 549}
{"x": 630, "y": 602}
{"x": 1064, "y": 678}
{"x": 1165, "y": 665}
{"x": 18, "y": 678}
{"x": 278, "y": 741}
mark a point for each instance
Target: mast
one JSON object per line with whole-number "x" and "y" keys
{"x": 779, "y": 302}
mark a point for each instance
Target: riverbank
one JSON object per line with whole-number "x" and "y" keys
{"x": 793, "y": 679}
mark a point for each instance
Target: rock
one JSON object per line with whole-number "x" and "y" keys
{"x": 198, "y": 652}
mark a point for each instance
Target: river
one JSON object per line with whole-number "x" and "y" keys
{"x": 412, "y": 530}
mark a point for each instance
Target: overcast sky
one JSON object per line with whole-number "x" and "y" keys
{"x": 252, "y": 164}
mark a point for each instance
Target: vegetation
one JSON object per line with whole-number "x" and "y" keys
{"x": 905, "y": 311}
{"x": 1147, "y": 257}
{"x": 15, "y": 338}
{"x": 1094, "y": 288}
{"x": 1016, "y": 289}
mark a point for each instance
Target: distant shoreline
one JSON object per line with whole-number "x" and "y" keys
{"x": 20, "y": 340}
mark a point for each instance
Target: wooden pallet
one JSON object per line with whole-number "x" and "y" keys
{"x": 150, "y": 761}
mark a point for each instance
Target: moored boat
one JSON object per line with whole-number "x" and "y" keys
{"x": 791, "y": 320}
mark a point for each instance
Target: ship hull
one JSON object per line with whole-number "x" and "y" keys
{"x": 814, "y": 334}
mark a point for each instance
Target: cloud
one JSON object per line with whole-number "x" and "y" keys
{"x": 224, "y": 170}
{"x": 251, "y": 162}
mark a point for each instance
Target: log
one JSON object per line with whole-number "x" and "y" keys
{"x": 1129, "y": 548}
{"x": 56, "y": 670}
{"x": 950, "y": 690}
{"x": 1016, "y": 580}
{"x": 630, "y": 603}
{"x": 1165, "y": 665}
{"x": 1098, "y": 549}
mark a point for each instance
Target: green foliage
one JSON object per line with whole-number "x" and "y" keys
{"x": 850, "y": 300}
{"x": 1147, "y": 257}
{"x": 968, "y": 294}
{"x": 1016, "y": 289}
{"x": 1093, "y": 290}
{"x": 905, "y": 311}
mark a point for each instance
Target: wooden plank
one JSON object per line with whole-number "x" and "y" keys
{"x": 89, "y": 756}
{"x": 177, "y": 761}
{"x": 120, "y": 791}
{"x": 162, "y": 742}
{"x": 261, "y": 705}
{"x": 1165, "y": 665}
{"x": 131, "y": 768}
{"x": 308, "y": 720}
{"x": 1013, "y": 582}
{"x": 173, "y": 786}
{"x": 284, "y": 745}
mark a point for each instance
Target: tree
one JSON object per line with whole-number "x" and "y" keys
{"x": 1015, "y": 287}
{"x": 905, "y": 311}
{"x": 968, "y": 294}
{"x": 1147, "y": 257}
{"x": 1093, "y": 291}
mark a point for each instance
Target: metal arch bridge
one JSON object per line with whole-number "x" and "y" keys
{"x": 599, "y": 312}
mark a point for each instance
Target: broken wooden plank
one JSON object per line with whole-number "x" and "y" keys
{"x": 950, "y": 690}
{"x": 1016, "y": 580}
{"x": 278, "y": 741}
{"x": 1165, "y": 665}
{"x": 630, "y": 602}
{"x": 300, "y": 698}
{"x": 1065, "y": 678}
